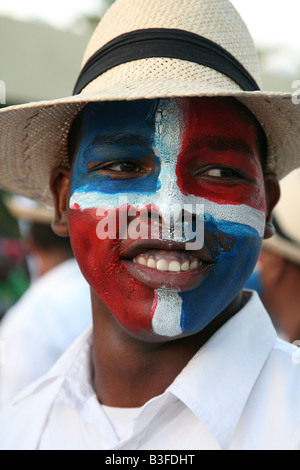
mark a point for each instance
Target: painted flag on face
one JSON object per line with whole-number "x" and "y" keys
{"x": 179, "y": 153}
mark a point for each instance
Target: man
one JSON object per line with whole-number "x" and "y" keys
{"x": 53, "y": 312}
{"x": 278, "y": 274}
{"x": 167, "y": 143}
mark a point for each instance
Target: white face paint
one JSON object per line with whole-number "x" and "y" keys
{"x": 234, "y": 225}
{"x": 169, "y": 131}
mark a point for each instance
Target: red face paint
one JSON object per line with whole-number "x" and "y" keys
{"x": 199, "y": 137}
{"x": 216, "y": 134}
{"x": 106, "y": 273}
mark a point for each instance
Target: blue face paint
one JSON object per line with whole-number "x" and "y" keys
{"x": 226, "y": 277}
{"x": 255, "y": 282}
{"x": 110, "y": 134}
{"x": 163, "y": 133}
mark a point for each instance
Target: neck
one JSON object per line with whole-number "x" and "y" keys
{"x": 129, "y": 371}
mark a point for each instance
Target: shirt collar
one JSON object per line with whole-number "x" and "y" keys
{"x": 72, "y": 373}
{"x": 217, "y": 382}
{"x": 78, "y": 385}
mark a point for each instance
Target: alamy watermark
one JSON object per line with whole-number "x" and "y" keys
{"x": 2, "y": 92}
{"x": 296, "y": 93}
{"x": 181, "y": 223}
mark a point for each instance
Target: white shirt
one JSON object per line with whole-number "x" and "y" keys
{"x": 122, "y": 419}
{"x": 54, "y": 311}
{"x": 240, "y": 391}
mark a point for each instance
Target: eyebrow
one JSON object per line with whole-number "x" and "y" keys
{"x": 221, "y": 143}
{"x": 121, "y": 140}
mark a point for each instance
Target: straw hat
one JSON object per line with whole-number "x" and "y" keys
{"x": 150, "y": 49}
{"x": 286, "y": 241}
{"x": 27, "y": 210}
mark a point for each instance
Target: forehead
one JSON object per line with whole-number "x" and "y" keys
{"x": 145, "y": 121}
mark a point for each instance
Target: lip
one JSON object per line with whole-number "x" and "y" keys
{"x": 154, "y": 279}
{"x": 137, "y": 247}
{"x": 180, "y": 282}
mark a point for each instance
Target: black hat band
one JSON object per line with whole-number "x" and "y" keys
{"x": 166, "y": 43}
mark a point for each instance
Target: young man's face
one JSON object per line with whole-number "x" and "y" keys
{"x": 169, "y": 156}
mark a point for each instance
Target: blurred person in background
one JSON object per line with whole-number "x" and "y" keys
{"x": 277, "y": 276}
{"x": 14, "y": 279}
{"x": 52, "y": 313}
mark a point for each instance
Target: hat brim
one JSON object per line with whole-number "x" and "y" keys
{"x": 283, "y": 247}
{"x": 34, "y": 136}
{"x": 30, "y": 213}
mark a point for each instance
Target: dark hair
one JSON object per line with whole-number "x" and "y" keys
{"x": 46, "y": 239}
{"x": 73, "y": 137}
{"x": 262, "y": 145}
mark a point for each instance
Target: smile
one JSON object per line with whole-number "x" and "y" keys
{"x": 172, "y": 262}
{"x": 166, "y": 265}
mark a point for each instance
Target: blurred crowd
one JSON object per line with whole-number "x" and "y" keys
{"x": 14, "y": 278}
{"x": 14, "y": 275}
{"x": 44, "y": 298}
{"x": 277, "y": 276}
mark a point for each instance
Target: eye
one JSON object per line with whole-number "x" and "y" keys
{"x": 126, "y": 168}
{"x": 222, "y": 172}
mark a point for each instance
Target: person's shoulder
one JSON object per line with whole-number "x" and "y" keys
{"x": 284, "y": 363}
{"x": 68, "y": 271}
{"x": 288, "y": 355}
{"x": 22, "y": 421}
{"x": 282, "y": 372}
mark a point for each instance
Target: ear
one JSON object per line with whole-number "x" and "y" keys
{"x": 272, "y": 191}
{"x": 59, "y": 186}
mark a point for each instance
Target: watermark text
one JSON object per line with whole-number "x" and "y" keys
{"x": 181, "y": 223}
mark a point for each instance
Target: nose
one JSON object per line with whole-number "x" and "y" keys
{"x": 183, "y": 223}
{"x": 171, "y": 199}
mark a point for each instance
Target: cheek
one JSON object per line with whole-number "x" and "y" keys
{"x": 100, "y": 263}
{"x": 236, "y": 250}
{"x": 239, "y": 248}
{"x": 93, "y": 255}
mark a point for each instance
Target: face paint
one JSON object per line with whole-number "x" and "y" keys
{"x": 166, "y": 153}
{"x": 256, "y": 282}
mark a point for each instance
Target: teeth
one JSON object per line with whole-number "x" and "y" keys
{"x": 151, "y": 263}
{"x": 174, "y": 267}
{"x": 162, "y": 265}
{"x": 166, "y": 265}
{"x": 185, "y": 266}
{"x": 194, "y": 264}
{"x": 141, "y": 260}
